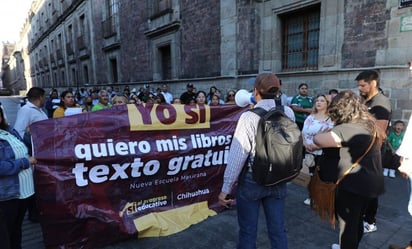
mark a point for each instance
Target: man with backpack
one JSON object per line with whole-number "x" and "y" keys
{"x": 253, "y": 190}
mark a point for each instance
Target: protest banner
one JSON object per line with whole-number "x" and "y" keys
{"x": 132, "y": 170}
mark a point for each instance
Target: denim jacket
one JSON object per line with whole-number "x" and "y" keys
{"x": 9, "y": 170}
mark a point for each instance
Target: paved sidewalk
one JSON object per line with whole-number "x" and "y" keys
{"x": 305, "y": 230}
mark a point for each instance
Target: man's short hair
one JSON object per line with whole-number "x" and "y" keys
{"x": 335, "y": 91}
{"x": 368, "y": 76}
{"x": 398, "y": 122}
{"x": 35, "y": 93}
{"x": 303, "y": 84}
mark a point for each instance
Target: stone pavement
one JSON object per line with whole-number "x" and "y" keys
{"x": 305, "y": 229}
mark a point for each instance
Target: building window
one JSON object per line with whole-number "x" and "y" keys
{"x": 85, "y": 74}
{"x": 81, "y": 39}
{"x": 110, "y": 23}
{"x": 113, "y": 70}
{"x": 62, "y": 80}
{"x": 59, "y": 53}
{"x": 159, "y": 7}
{"x": 74, "y": 77}
{"x": 300, "y": 39}
{"x": 55, "y": 80}
{"x": 69, "y": 44}
{"x": 166, "y": 56}
{"x": 166, "y": 62}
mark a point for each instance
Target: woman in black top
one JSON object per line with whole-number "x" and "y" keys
{"x": 350, "y": 138}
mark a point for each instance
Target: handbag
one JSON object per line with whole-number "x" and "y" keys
{"x": 322, "y": 194}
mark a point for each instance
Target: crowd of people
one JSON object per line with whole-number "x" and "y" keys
{"x": 97, "y": 99}
{"x": 17, "y": 195}
{"x": 337, "y": 128}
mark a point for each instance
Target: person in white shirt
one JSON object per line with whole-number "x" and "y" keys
{"x": 31, "y": 112}
{"x": 405, "y": 152}
{"x": 168, "y": 96}
{"x": 249, "y": 194}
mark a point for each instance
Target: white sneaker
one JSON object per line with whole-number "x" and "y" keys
{"x": 368, "y": 228}
{"x": 335, "y": 246}
{"x": 392, "y": 173}
{"x": 307, "y": 201}
{"x": 385, "y": 171}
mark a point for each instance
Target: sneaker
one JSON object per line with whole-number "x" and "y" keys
{"x": 392, "y": 173}
{"x": 368, "y": 228}
{"x": 335, "y": 246}
{"x": 307, "y": 201}
{"x": 385, "y": 171}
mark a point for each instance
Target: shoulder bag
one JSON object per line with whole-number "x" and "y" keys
{"x": 322, "y": 194}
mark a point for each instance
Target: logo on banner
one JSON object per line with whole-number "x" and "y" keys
{"x": 168, "y": 117}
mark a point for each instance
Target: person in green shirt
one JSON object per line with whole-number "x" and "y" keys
{"x": 391, "y": 161}
{"x": 302, "y": 105}
{"x": 103, "y": 101}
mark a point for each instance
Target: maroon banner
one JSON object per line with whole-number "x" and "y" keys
{"x": 108, "y": 175}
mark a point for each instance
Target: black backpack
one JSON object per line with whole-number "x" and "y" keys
{"x": 279, "y": 148}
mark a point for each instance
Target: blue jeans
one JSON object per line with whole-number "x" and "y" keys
{"x": 249, "y": 197}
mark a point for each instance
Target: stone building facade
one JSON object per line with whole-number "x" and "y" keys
{"x": 325, "y": 43}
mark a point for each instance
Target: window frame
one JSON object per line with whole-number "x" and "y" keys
{"x": 308, "y": 30}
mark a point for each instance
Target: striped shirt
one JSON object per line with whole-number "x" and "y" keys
{"x": 243, "y": 143}
{"x": 26, "y": 182}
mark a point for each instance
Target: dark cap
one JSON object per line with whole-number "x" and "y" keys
{"x": 267, "y": 84}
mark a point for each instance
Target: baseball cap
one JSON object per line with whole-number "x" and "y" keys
{"x": 267, "y": 83}
{"x": 190, "y": 85}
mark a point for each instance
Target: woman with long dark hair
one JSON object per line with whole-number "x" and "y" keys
{"x": 350, "y": 139}
{"x": 67, "y": 101}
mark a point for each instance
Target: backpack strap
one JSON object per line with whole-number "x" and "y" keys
{"x": 280, "y": 108}
{"x": 259, "y": 111}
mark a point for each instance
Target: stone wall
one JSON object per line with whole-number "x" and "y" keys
{"x": 200, "y": 43}
{"x": 365, "y": 32}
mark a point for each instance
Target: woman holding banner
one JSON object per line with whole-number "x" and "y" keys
{"x": 16, "y": 184}
{"x": 67, "y": 106}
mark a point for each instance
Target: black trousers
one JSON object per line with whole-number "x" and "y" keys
{"x": 4, "y": 233}
{"x": 349, "y": 209}
{"x": 371, "y": 210}
{"x": 13, "y": 212}
{"x": 390, "y": 161}
{"x": 32, "y": 209}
